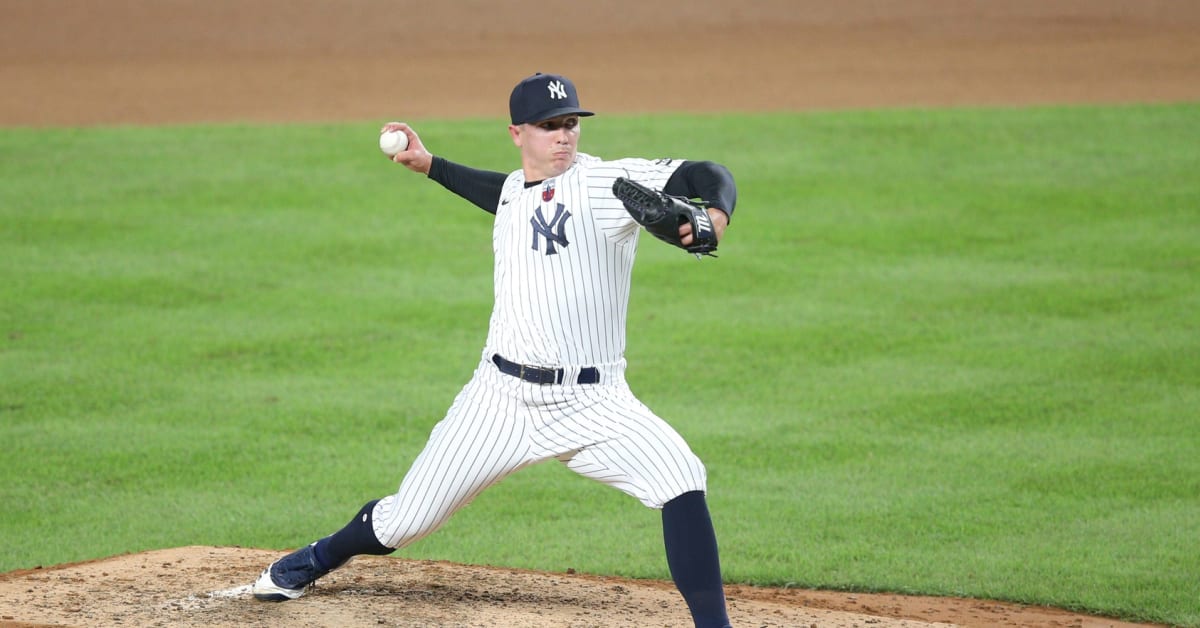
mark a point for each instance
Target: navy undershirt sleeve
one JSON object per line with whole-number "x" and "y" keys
{"x": 708, "y": 181}
{"x": 481, "y": 187}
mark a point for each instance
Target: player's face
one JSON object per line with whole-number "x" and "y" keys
{"x": 548, "y": 147}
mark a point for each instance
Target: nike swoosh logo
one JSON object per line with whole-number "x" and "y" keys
{"x": 504, "y": 202}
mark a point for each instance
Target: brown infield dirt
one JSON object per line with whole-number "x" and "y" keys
{"x": 132, "y": 62}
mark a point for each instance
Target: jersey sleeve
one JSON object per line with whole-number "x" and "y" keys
{"x": 610, "y": 214}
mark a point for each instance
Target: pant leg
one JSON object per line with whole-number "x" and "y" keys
{"x": 481, "y": 440}
{"x": 613, "y": 438}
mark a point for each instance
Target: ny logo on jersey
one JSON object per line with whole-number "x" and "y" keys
{"x": 554, "y": 231}
{"x": 558, "y": 91}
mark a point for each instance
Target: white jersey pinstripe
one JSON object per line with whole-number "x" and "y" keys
{"x": 567, "y": 307}
{"x": 563, "y": 264}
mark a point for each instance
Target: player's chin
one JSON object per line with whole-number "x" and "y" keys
{"x": 560, "y": 163}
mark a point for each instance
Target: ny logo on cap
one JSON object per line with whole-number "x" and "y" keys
{"x": 557, "y": 90}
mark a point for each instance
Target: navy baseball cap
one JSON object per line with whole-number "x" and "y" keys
{"x": 544, "y": 96}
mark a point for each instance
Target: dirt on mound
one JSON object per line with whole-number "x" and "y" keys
{"x": 210, "y": 586}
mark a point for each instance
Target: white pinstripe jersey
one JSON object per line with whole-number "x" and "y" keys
{"x": 564, "y": 251}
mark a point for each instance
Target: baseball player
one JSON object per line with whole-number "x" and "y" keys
{"x": 550, "y": 383}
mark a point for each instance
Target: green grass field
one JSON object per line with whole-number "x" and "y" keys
{"x": 942, "y": 352}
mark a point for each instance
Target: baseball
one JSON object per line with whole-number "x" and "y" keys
{"x": 392, "y": 142}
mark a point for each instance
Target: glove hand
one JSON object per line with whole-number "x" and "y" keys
{"x": 671, "y": 218}
{"x": 719, "y": 219}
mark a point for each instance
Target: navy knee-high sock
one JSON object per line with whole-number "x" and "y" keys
{"x": 692, "y": 557}
{"x": 357, "y": 537}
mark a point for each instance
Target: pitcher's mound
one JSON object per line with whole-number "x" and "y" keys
{"x": 210, "y": 586}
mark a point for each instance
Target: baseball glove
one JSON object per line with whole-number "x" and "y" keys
{"x": 662, "y": 215}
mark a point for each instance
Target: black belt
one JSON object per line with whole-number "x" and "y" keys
{"x": 543, "y": 375}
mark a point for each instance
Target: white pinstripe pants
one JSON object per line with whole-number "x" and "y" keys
{"x": 499, "y": 424}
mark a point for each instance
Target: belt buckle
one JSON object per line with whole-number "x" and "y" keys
{"x": 520, "y": 371}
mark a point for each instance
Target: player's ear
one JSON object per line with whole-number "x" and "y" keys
{"x": 514, "y": 131}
